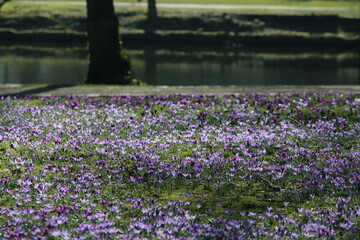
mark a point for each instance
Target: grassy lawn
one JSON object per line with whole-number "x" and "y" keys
{"x": 321, "y": 3}
{"x": 267, "y": 2}
{"x": 14, "y": 9}
{"x": 22, "y": 8}
{"x": 252, "y": 166}
{"x": 61, "y": 18}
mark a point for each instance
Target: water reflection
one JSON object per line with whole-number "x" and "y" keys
{"x": 187, "y": 66}
{"x": 42, "y": 65}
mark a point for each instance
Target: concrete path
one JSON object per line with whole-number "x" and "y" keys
{"x": 200, "y": 6}
{"x": 7, "y": 90}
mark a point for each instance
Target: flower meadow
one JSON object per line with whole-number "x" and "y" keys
{"x": 273, "y": 166}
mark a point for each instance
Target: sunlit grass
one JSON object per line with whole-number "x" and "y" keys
{"x": 17, "y": 9}
{"x": 351, "y": 8}
{"x": 323, "y": 3}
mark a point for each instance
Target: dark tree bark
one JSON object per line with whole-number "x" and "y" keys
{"x": 107, "y": 63}
{"x": 152, "y": 13}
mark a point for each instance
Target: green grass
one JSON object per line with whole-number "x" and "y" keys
{"x": 26, "y": 9}
{"x": 267, "y": 2}
{"x": 67, "y": 16}
{"x": 321, "y": 3}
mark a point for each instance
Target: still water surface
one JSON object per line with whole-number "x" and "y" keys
{"x": 187, "y": 65}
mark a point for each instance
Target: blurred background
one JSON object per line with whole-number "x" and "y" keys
{"x": 189, "y": 42}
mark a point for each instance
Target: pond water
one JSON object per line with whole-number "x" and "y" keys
{"x": 186, "y": 65}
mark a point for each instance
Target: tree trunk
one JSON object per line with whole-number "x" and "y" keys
{"x": 107, "y": 63}
{"x": 152, "y": 13}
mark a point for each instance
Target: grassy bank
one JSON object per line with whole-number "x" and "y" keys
{"x": 342, "y": 8}
{"x": 40, "y": 22}
{"x": 307, "y": 3}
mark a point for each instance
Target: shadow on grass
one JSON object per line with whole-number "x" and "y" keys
{"x": 35, "y": 90}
